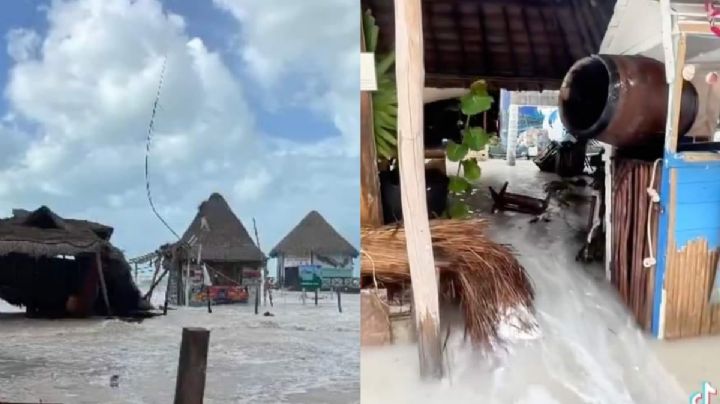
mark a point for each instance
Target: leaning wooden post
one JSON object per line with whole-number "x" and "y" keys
{"x": 410, "y": 76}
{"x": 103, "y": 287}
{"x": 190, "y": 383}
{"x": 339, "y": 303}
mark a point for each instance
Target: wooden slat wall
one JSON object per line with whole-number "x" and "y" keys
{"x": 630, "y": 244}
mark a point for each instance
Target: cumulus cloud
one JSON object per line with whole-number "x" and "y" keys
{"x": 318, "y": 39}
{"x": 87, "y": 88}
{"x": 22, "y": 43}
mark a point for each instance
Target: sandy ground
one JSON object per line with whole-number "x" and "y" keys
{"x": 305, "y": 354}
{"x": 589, "y": 350}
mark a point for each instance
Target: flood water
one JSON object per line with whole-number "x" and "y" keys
{"x": 304, "y": 354}
{"x": 588, "y": 349}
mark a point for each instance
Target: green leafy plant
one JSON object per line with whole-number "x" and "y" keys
{"x": 385, "y": 98}
{"x": 473, "y": 103}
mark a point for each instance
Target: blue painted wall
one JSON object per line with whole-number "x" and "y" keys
{"x": 697, "y": 213}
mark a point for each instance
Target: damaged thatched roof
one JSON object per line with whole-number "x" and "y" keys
{"x": 313, "y": 235}
{"x": 44, "y": 233}
{"x": 221, "y": 234}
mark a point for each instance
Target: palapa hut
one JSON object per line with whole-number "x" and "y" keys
{"x": 50, "y": 266}
{"x": 312, "y": 242}
{"x": 221, "y": 241}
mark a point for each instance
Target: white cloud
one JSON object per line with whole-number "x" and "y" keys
{"x": 319, "y": 39}
{"x": 87, "y": 89}
{"x": 253, "y": 186}
{"x": 22, "y": 44}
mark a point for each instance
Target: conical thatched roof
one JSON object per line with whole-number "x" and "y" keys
{"x": 222, "y": 235}
{"x": 313, "y": 235}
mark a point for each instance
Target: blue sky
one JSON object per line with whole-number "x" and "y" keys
{"x": 259, "y": 103}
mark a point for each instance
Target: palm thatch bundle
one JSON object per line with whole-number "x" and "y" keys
{"x": 482, "y": 276}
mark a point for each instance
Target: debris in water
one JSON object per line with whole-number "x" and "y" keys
{"x": 504, "y": 200}
{"x": 115, "y": 381}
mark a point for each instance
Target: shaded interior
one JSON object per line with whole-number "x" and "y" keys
{"x": 586, "y": 97}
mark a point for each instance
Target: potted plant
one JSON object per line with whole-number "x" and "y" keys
{"x": 474, "y": 138}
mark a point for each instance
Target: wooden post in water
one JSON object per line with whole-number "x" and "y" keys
{"x": 410, "y": 76}
{"x": 316, "y": 296}
{"x": 303, "y": 296}
{"x": 190, "y": 383}
{"x": 103, "y": 287}
{"x": 339, "y": 303}
{"x": 257, "y": 298}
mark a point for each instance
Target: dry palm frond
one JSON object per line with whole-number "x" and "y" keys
{"x": 482, "y": 276}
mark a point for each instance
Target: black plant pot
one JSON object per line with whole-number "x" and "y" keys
{"x": 436, "y": 194}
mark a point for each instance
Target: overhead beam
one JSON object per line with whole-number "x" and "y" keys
{"x": 457, "y": 23}
{"x": 495, "y": 82}
{"x": 410, "y": 77}
{"x": 551, "y": 48}
{"x": 569, "y": 59}
{"x": 487, "y": 61}
{"x": 508, "y": 36}
{"x": 531, "y": 43}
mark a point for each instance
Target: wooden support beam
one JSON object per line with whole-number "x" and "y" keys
{"x": 487, "y": 61}
{"x": 588, "y": 44}
{"x": 432, "y": 40}
{"x": 190, "y": 383}
{"x": 675, "y": 96}
{"x": 531, "y": 43}
{"x": 553, "y": 55}
{"x": 370, "y": 202}
{"x": 103, "y": 286}
{"x": 589, "y": 23}
{"x": 457, "y": 27}
{"x": 569, "y": 59}
{"x": 510, "y": 43}
{"x": 410, "y": 74}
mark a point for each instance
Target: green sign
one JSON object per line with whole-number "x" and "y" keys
{"x": 310, "y": 277}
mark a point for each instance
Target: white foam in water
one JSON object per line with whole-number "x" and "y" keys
{"x": 586, "y": 349}
{"x": 304, "y": 354}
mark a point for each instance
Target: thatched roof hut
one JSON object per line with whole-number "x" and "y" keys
{"x": 224, "y": 246}
{"x": 312, "y": 242}
{"x": 221, "y": 234}
{"x": 46, "y": 261}
{"x": 313, "y": 235}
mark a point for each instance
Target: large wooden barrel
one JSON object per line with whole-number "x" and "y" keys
{"x": 621, "y": 100}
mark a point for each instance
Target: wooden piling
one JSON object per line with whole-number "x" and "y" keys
{"x": 316, "y": 297}
{"x": 338, "y": 299}
{"x": 103, "y": 287}
{"x": 207, "y": 295}
{"x": 257, "y": 298}
{"x": 190, "y": 383}
{"x": 410, "y": 74}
